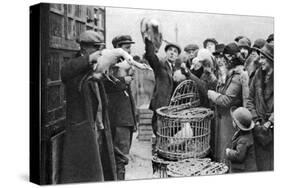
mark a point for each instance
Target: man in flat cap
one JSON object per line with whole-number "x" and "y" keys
{"x": 189, "y": 54}
{"x": 121, "y": 107}
{"x": 163, "y": 73}
{"x": 87, "y": 145}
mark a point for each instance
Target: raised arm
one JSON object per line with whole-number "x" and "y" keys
{"x": 150, "y": 55}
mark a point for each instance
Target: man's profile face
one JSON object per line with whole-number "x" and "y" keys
{"x": 172, "y": 54}
{"x": 126, "y": 47}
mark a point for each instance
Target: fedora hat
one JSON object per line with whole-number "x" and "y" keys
{"x": 267, "y": 50}
{"x": 242, "y": 117}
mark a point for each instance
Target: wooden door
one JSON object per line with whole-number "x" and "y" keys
{"x": 63, "y": 24}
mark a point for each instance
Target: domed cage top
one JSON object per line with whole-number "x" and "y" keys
{"x": 185, "y": 95}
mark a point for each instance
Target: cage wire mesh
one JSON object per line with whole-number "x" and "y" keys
{"x": 183, "y": 129}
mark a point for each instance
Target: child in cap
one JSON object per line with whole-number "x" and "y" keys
{"x": 242, "y": 153}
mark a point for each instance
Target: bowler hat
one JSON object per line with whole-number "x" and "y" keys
{"x": 242, "y": 118}
{"x": 209, "y": 40}
{"x": 170, "y": 44}
{"x": 232, "y": 48}
{"x": 122, "y": 39}
{"x": 267, "y": 50}
{"x": 270, "y": 38}
{"x": 91, "y": 37}
{"x": 219, "y": 49}
{"x": 244, "y": 42}
{"x": 191, "y": 47}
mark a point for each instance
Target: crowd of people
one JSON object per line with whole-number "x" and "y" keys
{"x": 229, "y": 76}
{"x": 235, "y": 80}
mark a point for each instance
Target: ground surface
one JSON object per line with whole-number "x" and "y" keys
{"x": 140, "y": 166}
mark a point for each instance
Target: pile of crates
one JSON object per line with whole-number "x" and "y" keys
{"x": 144, "y": 127}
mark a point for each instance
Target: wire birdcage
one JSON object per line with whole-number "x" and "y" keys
{"x": 183, "y": 133}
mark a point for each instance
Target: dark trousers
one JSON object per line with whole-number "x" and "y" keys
{"x": 154, "y": 122}
{"x": 122, "y": 140}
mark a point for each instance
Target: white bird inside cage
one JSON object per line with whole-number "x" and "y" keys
{"x": 181, "y": 136}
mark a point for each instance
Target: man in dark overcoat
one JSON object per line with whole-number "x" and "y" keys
{"x": 87, "y": 150}
{"x": 121, "y": 107}
{"x": 261, "y": 104}
{"x": 163, "y": 73}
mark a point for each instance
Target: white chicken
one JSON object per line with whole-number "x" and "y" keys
{"x": 109, "y": 58}
{"x": 181, "y": 136}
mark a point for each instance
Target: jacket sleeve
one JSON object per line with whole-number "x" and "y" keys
{"x": 202, "y": 86}
{"x": 251, "y": 101}
{"x": 74, "y": 67}
{"x": 150, "y": 56}
{"x": 244, "y": 79}
{"x": 221, "y": 100}
{"x": 239, "y": 154}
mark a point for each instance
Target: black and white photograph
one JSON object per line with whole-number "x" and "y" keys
{"x": 139, "y": 93}
{"x": 131, "y": 93}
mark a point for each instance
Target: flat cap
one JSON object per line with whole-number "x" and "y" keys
{"x": 191, "y": 47}
{"x": 90, "y": 36}
{"x": 122, "y": 39}
{"x": 173, "y": 45}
